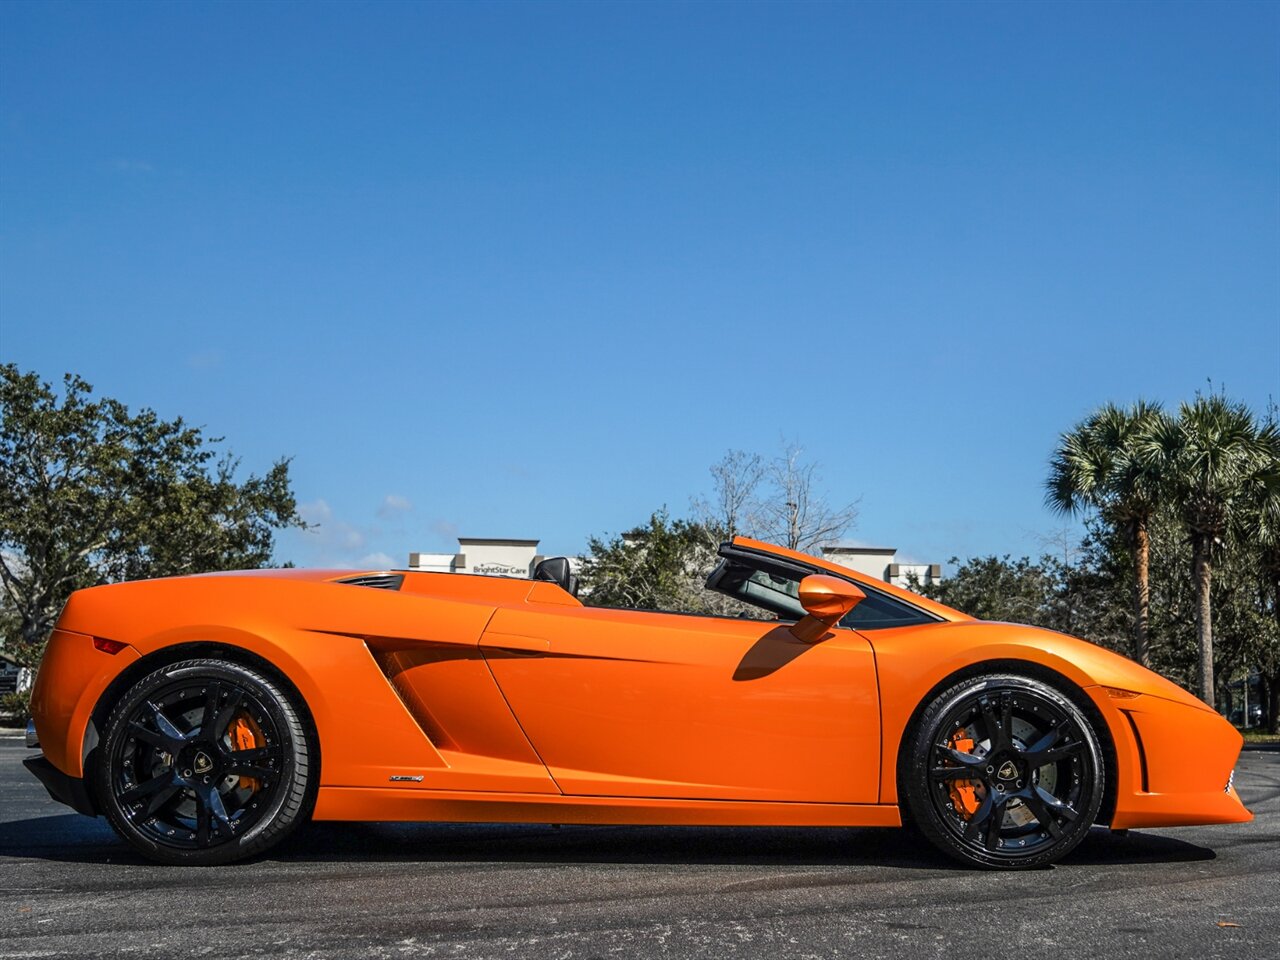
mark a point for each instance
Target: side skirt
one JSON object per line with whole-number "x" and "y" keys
{"x": 390, "y": 804}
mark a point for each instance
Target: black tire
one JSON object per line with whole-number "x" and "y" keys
{"x": 203, "y": 762}
{"x": 1004, "y": 771}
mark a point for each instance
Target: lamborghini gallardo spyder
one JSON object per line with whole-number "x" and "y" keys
{"x": 208, "y": 716}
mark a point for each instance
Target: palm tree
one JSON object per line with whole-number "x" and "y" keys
{"x": 1261, "y": 528}
{"x": 1213, "y": 457}
{"x": 1099, "y": 466}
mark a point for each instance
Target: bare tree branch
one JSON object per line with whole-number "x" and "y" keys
{"x": 794, "y": 513}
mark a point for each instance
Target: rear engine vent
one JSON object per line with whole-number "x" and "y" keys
{"x": 382, "y": 581}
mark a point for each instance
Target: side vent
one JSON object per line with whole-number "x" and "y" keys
{"x": 397, "y": 665}
{"x": 380, "y": 581}
{"x": 1142, "y": 750}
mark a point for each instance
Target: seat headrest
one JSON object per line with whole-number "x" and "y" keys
{"x": 558, "y": 571}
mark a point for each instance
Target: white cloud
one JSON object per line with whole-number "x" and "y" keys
{"x": 392, "y": 505}
{"x": 379, "y": 560}
{"x": 317, "y": 511}
{"x": 327, "y": 536}
{"x": 444, "y": 529}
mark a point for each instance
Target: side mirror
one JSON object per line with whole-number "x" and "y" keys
{"x": 826, "y": 600}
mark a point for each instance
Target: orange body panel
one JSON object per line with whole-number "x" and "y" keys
{"x": 626, "y": 703}
{"x": 1166, "y": 789}
{"x": 513, "y": 701}
{"x": 62, "y": 706}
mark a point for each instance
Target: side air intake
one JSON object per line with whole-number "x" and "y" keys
{"x": 381, "y": 581}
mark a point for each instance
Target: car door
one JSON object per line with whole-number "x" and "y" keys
{"x": 641, "y": 704}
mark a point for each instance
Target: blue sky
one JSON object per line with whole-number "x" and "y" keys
{"x": 528, "y": 270}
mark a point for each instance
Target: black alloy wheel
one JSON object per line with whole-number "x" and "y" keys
{"x": 1004, "y": 771}
{"x": 203, "y": 762}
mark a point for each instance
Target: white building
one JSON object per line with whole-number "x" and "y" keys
{"x": 494, "y": 558}
{"x": 881, "y": 563}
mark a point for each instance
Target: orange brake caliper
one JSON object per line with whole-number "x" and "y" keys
{"x": 963, "y": 793}
{"x": 246, "y": 735}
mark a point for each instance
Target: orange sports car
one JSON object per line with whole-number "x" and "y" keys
{"x": 207, "y": 716}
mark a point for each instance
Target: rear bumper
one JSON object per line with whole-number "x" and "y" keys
{"x": 69, "y": 790}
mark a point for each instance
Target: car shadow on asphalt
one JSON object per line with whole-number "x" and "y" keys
{"x": 73, "y": 838}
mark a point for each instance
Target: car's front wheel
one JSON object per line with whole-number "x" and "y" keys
{"x": 203, "y": 762}
{"x": 1004, "y": 771}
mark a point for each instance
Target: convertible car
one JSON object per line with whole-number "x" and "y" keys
{"x": 207, "y": 716}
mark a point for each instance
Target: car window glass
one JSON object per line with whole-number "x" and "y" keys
{"x": 779, "y": 594}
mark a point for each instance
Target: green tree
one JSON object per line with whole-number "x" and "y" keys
{"x": 1211, "y": 458}
{"x": 91, "y": 492}
{"x": 659, "y": 566}
{"x": 1004, "y": 589}
{"x": 1075, "y": 598}
{"x": 1099, "y": 465}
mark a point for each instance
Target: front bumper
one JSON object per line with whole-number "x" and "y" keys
{"x": 1179, "y": 763}
{"x": 69, "y": 790}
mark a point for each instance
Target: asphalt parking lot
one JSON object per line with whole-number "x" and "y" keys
{"x": 69, "y": 888}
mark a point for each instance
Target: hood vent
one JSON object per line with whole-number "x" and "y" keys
{"x": 382, "y": 581}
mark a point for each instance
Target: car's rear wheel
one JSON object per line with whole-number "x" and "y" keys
{"x": 1004, "y": 771}
{"x": 203, "y": 762}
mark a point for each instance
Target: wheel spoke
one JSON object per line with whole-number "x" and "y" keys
{"x": 250, "y": 763}
{"x": 164, "y": 724}
{"x": 1052, "y": 747}
{"x": 962, "y": 758}
{"x": 203, "y": 820}
{"x": 160, "y": 798}
{"x": 1045, "y": 742}
{"x": 212, "y": 694}
{"x": 1058, "y": 753}
{"x": 952, "y": 773}
{"x": 223, "y": 719}
{"x": 1041, "y": 811}
{"x": 211, "y": 815}
{"x": 995, "y": 822}
{"x": 1054, "y": 806}
{"x": 985, "y": 824}
{"x": 217, "y": 808}
{"x": 999, "y": 721}
{"x": 254, "y": 754}
{"x": 145, "y": 789}
{"x": 237, "y": 767}
{"x": 153, "y": 737}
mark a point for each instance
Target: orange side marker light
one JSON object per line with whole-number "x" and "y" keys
{"x": 1116, "y": 693}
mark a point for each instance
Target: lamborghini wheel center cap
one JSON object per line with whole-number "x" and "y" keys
{"x": 202, "y": 762}
{"x": 1008, "y": 770}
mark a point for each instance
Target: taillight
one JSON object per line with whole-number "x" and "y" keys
{"x": 108, "y": 646}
